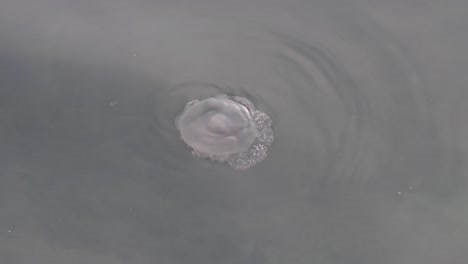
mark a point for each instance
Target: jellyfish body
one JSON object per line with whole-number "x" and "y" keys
{"x": 217, "y": 126}
{"x": 225, "y": 128}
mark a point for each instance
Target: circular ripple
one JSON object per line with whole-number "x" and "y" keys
{"x": 339, "y": 100}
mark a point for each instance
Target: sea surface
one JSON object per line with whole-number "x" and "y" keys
{"x": 369, "y": 107}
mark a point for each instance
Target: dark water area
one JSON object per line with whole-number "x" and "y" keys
{"x": 368, "y": 102}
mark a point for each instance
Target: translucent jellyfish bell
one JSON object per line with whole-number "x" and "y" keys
{"x": 225, "y": 128}
{"x": 217, "y": 126}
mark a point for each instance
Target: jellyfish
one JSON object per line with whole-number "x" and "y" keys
{"x": 226, "y": 129}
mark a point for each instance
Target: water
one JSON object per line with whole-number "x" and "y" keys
{"x": 367, "y": 102}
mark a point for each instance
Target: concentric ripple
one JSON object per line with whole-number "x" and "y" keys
{"x": 226, "y": 129}
{"x": 338, "y": 99}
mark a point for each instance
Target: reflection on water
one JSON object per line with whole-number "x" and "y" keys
{"x": 93, "y": 168}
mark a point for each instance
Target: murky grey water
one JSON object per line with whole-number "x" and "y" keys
{"x": 369, "y": 106}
